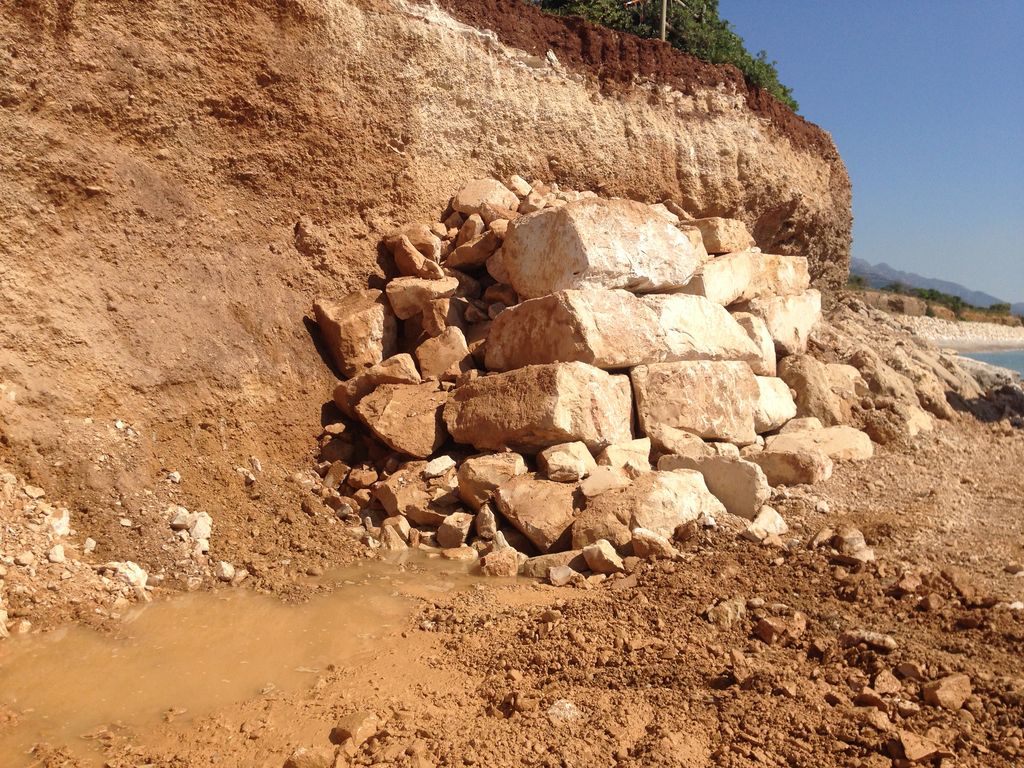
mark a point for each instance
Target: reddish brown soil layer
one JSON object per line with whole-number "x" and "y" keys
{"x": 617, "y": 58}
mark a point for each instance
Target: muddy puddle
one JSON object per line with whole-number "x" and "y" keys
{"x": 188, "y": 655}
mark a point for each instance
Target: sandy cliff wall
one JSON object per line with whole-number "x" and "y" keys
{"x": 158, "y": 155}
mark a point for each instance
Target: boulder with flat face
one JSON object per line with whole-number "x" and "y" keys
{"x": 477, "y": 193}
{"x": 406, "y": 417}
{"x": 810, "y": 379}
{"x": 542, "y": 510}
{"x": 749, "y": 275}
{"x": 713, "y": 400}
{"x": 479, "y": 476}
{"x": 360, "y": 330}
{"x": 444, "y": 356}
{"x": 539, "y": 406}
{"x": 595, "y": 243}
{"x": 409, "y": 296}
{"x": 757, "y": 332}
{"x": 657, "y": 501}
{"x": 615, "y": 329}
{"x": 398, "y": 369}
{"x": 739, "y": 484}
{"x": 722, "y": 235}
{"x": 789, "y": 319}
{"x": 774, "y": 406}
{"x": 793, "y": 465}
{"x": 840, "y": 443}
{"x": 566, "y": 463}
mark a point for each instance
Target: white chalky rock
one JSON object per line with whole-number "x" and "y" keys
{"x": 775, "y": 405}
{"x": 596, "y": 243}
{"x": 749, "y": 275}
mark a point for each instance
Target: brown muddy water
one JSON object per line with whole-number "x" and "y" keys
{"x": 187, "y": 655}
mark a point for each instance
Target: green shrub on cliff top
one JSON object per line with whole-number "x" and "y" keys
{"x": 694, "y": 27}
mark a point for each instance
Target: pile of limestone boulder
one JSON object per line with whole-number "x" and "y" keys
{"x": 555, "y": 381}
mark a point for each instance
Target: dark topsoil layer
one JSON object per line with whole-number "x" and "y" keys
{"x": 616, "y": 59}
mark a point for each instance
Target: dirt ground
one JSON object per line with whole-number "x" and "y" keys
{"x": 481, "y": 676}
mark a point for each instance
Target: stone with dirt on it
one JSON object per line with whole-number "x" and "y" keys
{"x": 815, "y": 397}
{"x": 803, "y": 466}
{"x": 56, "y": 554}
{"x": 311, "y": 757}
{"x": 421, "y": 237}
{"x": 950, "y": 692}
{"x": 801, "y": 423}
{"x": 561, "y": 575}
{"x": 359, "y": 330}
{"x": 649, "y": 545}
{"x": 688, "y": 396}
{"x": 746, "y": 275}
{"x": 596, "y": 243}
{"x": 438, "y": 467}
{"x": 224, "y": 571}
{"x": 538, "y": 567}
{"x": 721, "y": 235}
{"x": 601, "y": 557}
{"x": 614, "y": 329}
{"x": 604, "y": 479}
{"x": 660, "y": 501}
{"x": 501, "y": 563}
{"x": 409, "y": 296}
{"x": 474, "y": 253}
{"x": 479, "y": 476}
{"x": 405, "y": 493}
{"x": 790, "y": 319}
{"x": 539, "y": 406}
{"x": 397, "y": 369}
{"x": 542, "y": 510}
{"x": 566, "y": 462}
{"x": 454, "y": 530}
{"x": 411, "y": 263}
{"x": 768, "y": 522}
{"x": 739, "y": 484}
{"x": 601, "y": 522}
{"x": 406, "y": 417}
{"x": 774, "y": 405}
{"x": 354, "y": 730}
{"x": 445, "y": 356}
{"x": 633, "y": 456}
{"x": 479, "y": 192}
{"x": 839, "y": 443}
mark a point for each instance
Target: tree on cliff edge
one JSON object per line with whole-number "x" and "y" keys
{"x": 694, "y": 26}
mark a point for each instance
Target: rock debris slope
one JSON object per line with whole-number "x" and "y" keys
{"x": 580, "y": 386}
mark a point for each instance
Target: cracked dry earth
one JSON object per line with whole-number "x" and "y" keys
{"x": 636, "y": 671}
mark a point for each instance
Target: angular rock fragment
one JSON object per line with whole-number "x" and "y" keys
{"x": 689, "y": 396}
{"x": 604, "y": 479}
{"x": 774, "y": 406}
{"x": 739, "y": 484}
{"x": 360, "y": 330}
{"x": 659, "y": 501}
{"x": 839, "y": 443}
{"x": 615, "y": 329}
{"x": 757, "y": 332}
{"x": 601, "y": 557}
{"x": 789, "y": 319}
{"x": 444, "y": 356}
{"x": 474, "y": 253}
{"x": 810, "y": 379}
{"x": 479, "y": 476}
{"x": 801, "y": 466}
{"x": 950, "y": 692}
{"x": 409, "y": 296}
{"x": 566, "y": 463}
{"x": 501, "y": 563}
{"x": 768, "y": 522}
{"x": 722, "y": 235}
{"x": 596, "y": 243}
{"x": 542, "y": 405}
{"x": 538, "y": 567}
{"x": 412, "y": 263}
{"x": 397, "y": 369}
{"x": 542, "y": 510}
{"x": 649, "y": 545}
{"x": 405, "y": 493}
{"x": 421, "y": 238}
{"x": 479, "y": 192}
{"x": 406, "y": 417}
{"x": 454, "y": 529}
{"x": 748, "y": 275}
{"x": 601, "y": 521}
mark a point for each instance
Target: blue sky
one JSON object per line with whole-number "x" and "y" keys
{"x": 925, "y": 100}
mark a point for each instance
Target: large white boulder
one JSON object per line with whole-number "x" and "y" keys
{"x": 749, "y": 275}
{"x": 615, "y": 329}
{"x": 532, "y": 408}
{"x": 359, "y": 330}
{"x": 739, "y": 484}
{"x": 789, "y": 319}
{"x": 722, "y": 235}
{"x": 841, "y": 443}
{"x": 713, "y": 400}
{"x": 596, "y": 243}
{"x": 774, "y": 406}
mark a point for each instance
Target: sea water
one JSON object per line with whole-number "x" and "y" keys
{"x": 1007, "y": 358}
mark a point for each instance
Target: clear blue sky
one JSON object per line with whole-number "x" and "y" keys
{"x": 925, "y": 100}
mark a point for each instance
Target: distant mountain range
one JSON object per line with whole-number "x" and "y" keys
{"x": 881, "y": 275}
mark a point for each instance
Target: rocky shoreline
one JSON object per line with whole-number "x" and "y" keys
{"x": 965, "y": 336}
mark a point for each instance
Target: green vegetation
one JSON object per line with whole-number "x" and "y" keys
{"x": 958, "y": 306}
{"x": 693, "y": 26}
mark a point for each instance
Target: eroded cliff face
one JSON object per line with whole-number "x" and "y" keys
{"x": 157, "y": 159}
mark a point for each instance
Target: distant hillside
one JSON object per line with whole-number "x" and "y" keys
{"x": 881, "y": 275}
